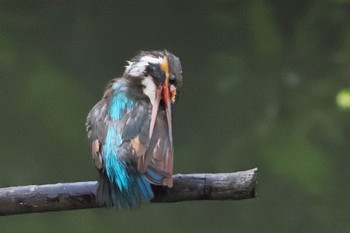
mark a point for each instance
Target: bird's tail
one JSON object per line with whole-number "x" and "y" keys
{"x": 110, "y": 194}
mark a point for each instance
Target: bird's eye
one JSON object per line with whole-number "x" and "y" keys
{"x": 172, "y": 79}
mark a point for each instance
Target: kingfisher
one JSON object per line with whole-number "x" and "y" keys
{"x": 130, "y": 130}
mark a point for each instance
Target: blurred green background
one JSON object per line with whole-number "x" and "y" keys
{"x": 266, "y": 84}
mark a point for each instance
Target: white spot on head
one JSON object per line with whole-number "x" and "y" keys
{"x": 150, "y": 88}
{"x": 138, "y": 68}
{"x": 150, "y": 59}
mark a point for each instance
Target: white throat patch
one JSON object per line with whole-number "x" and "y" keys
{"x": 150, "y": 88}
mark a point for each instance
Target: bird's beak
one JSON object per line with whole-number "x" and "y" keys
{"x": 163, "y": 93}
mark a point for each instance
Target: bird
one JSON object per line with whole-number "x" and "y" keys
{"x": 130, "y": 130}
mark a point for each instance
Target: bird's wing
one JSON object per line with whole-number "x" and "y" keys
{"x": 154, "y": 155}
{"x": 160, "y": 152}
{"x": 96, "y": 129}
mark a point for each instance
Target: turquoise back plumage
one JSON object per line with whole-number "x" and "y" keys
{"x": 123, "y": 186}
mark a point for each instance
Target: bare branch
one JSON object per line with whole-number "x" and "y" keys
{"x": 81, "y": 195}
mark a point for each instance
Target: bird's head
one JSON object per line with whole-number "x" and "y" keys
{"x": 160, "y": 75}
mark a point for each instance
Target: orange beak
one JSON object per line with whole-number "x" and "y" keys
{"x": 163, "y": 93}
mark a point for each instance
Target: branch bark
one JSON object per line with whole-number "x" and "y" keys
{"x": 81, "y": 195}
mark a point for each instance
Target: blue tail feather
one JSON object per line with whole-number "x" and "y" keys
{"x": 110, "y": 195}
{"x": 125, "y": 188}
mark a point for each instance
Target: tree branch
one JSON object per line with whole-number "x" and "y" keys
{"x": 81, "y": 195}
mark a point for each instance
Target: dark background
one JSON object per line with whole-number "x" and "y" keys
{"x": 265, "y": 85}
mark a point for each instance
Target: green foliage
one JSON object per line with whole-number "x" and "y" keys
{"x": 343, "y": 98}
